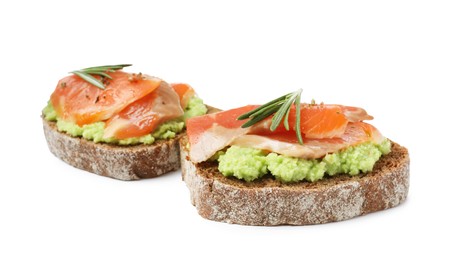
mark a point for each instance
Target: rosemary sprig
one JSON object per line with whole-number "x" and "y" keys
{"x": 87, "y": 73}
{"x": 280, "y": 107}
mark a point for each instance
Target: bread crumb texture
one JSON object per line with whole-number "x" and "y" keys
{"x": 118, "y": 162}
{"x": 269, "y": 202}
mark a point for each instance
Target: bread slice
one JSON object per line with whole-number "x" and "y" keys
{"x": 268, "y": 202}
{"x": 120, "y": 162}
{"x": 115, "y": 161}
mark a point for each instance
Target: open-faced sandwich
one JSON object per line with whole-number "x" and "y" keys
{"x": 288, "y": 162}
{"x": 118, "y": 124}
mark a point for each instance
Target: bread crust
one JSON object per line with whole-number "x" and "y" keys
{"x": 268, "y": 202}
{"x": 115, "y": 161}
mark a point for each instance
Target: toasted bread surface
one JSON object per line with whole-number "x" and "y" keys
{"x": 269, "y": 202}
{"x": 120, "y": 162}
{"x": 116, "y": 161}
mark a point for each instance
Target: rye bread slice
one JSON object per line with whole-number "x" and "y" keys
{"x": 268, "y": 202}
{"x": 120, "y": 162}
{"x": 116, "y": 161}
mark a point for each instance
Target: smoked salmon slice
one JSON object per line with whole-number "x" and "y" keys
{"x": 210, "y": 133}
{"x": 144, "y": 115}
{"x": 287, "y": 143}
{"x": 322, "y": 121}
{"x": 80, "y": 102}
{"x": 184, "y": 91}
{"x": 131, "y": 105}
{"x": 318, "y": 121}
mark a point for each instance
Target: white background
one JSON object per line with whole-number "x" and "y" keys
{"x": 391, "y": 57}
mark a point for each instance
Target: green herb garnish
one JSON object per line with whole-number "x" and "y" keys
{"x": 280, "y": 107}
{"x": 88, "y": 73}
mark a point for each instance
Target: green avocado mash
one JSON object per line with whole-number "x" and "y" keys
{"x": 94, "y": 131}
{"x": 250, "y": 164}
{"x": 243, "y": 163}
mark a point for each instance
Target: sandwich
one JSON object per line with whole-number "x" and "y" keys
{"x": 291, "y": 163}
{"x": 117, "y": 124}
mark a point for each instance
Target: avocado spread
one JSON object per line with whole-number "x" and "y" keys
{"x": 250, "y": 164}
{"x": 94, "y": 131}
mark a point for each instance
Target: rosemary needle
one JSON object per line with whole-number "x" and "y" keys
{"x": 87, "y": 73}
{"x": 280, "y": 108}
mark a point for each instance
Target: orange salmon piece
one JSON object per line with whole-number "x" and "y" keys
{"x": 184, "y": 91}
{"x": 210, "y": 133}
{"x": 145, "y": 115}
{"x": 80, "y": 102}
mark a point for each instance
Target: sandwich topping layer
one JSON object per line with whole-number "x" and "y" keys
{"x": 95, "y": 131}
{"x": 335, "y": 140}
{"x": 129, "y": 109}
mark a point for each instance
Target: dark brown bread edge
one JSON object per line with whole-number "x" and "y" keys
{"x": 114, "y": 161}
{"x": 269, "y": 202}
